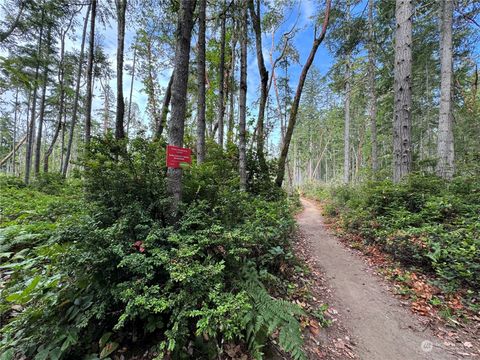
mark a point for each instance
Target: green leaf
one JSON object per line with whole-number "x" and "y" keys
{"x": 108, "y": 349}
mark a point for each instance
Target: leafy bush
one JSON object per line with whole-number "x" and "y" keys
{"x": 125, "y": 269}
{"x": 422, "y": 221}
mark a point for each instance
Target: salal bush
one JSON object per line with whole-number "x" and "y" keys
{"x": 128, "y": 272}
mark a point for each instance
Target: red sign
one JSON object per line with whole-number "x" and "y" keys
{"x": 177, "y": 155}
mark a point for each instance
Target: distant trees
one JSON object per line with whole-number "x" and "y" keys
{"x": 57, "y": 97}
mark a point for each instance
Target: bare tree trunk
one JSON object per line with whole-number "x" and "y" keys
{"x": 91, "y": 51}
{"x": 31, "y": 126}
{"x": 445, "y": 145}
{"x": 38, "y": 144}
{"x": 221, "y": 84}
{"x": 402, "y": 122}
{"x": 15, "y": 118}
{"x": 371, "y": 82}
{"x": 201, "y": 83}
{"x": 179, "y": 94}
{"x": 120, "y": 113}
{"x": 162, "y": 121}
{"x": 61, "y": 109}
{"x": 77, "y": 95}
{"x": 256, "y": 21}
{"x": 129, "y": 115}
{"x": 242, "y": 101}
{"x": 231, "y": 84}
{"x": 296, "y": 101}
{"x": 346, "y": 134}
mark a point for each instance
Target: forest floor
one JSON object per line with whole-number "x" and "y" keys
{"x": 369, "y": 321}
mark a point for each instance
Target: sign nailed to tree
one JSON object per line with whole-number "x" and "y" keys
{"x": 177, "y": 155}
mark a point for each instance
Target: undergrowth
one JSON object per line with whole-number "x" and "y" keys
{"x": 422, "y": 222}
{"x": 98, "y": 265}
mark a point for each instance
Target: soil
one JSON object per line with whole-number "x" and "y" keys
{"x": 370, "y": 322}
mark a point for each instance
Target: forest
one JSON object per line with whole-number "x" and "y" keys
{"x": 293, "y": 119}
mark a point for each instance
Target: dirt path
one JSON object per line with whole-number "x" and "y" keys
{"x": 381, "y": 328}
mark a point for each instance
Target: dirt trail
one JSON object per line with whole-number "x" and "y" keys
{"x": 381, "y": 328}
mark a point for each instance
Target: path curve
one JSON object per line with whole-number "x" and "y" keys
{"x": 380, "y": 326}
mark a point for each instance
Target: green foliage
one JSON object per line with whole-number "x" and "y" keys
{"x": 117, "y": 266}
{"x": 422, "y": 221}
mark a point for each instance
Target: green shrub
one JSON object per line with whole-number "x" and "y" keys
{"x": 423, "y": 221}
{"x": 125, "y": 269}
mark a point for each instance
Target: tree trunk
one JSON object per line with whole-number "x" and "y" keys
{"x": 162, "y": 121}
{"x": 31, "y": 126}
{"x": 371, "y": 82}
{"x": 38, "y": 144}
{"x": 201, "y": 83}
{"x": 231, "y": 112}
{"x": 61, "y": 82}
{"x": 256, "y": 21}
{"x": 221, "y": 83}
{"x": 242, "y": 146}
{"x": 77, "y": 95}
{"x": 129, "y": 115}
{"x": 346, "y": 133}
{"x": 402, "y": 152}
{"x": 296, "y": 101}
{"x": 179, "y": 94}
{"x": 91, "y": 51}
{"x": 445, "y": 145}
{"x": 15, "y": 118}
{"x": 120, "y": 113}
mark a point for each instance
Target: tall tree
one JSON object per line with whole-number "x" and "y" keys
{"x": 121, "y": 6}
{"x": 77, "y": 96}
{"x": 256, "y": 21}
{"x": 298, "y": 94}
{"x": 41, "y": 113}
{"x": 402, "y": 90}
{"x": 179, "y": 94}
{"x": 242, "y": 146}
{"x": 201, "y": 82}
{"x": 372, "y": 84}
{"x": 445, "y": 145}
{"x": 221, "y": 82}
{"x": 61, "y": 95}
{"x": 91, "y": 53}
{"x": 31, "y": 127}
{"x": 348, "y": 90}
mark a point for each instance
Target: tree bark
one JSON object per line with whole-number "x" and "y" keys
{"x": 179, "y": 94}
{"x": 91, "y": 51}
{"x": 372, "y": 84}
{"x": 76, "y": 99}
{"x": 346, "y": 133}
{"x": 402, "y": 122}
{"x": 242, "y": 146}
{"x": 255, "y": 15}
{"x": 201, "y": 83}
{"x": 38, "y": 144}
{"x": 121, "y": 6}
{"x": 231, "y": 112}
{"x": 129, "y": 114}
{"x": 296, "y": 101}
{"x": 162, "y": 121}
{"x": 31, "y": 126}
{"x": 61, "y": 82}
{"x": 221, "y": 83}
{"x": 445, "y": 145}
